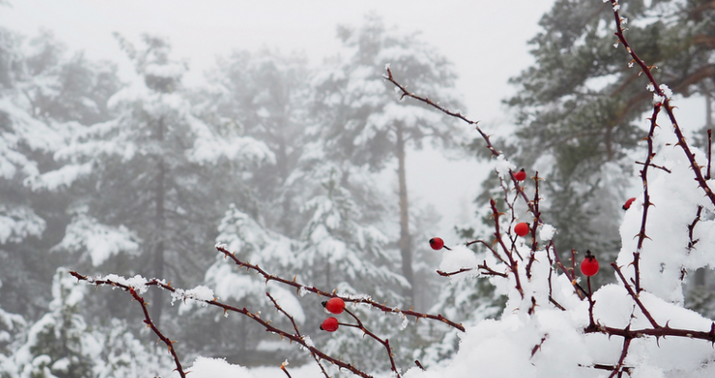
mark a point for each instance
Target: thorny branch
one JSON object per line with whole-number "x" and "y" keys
{"x": 313, "y": 289}
{"x": 628, "y": 334}
{"x": 385, "y": 342}
{"x": 646, "y": 197}
{"x": 429, "y": 102}
{"x": 534, "y": 225}
{"x": 297, "y": 333}
{"x": 149, "y": 323}
{"x": 226, "y": 308}
{"x": 710, "y": 147}
{"x": 512, "y": 264}
{"x": 665, "y": 103}
{"x": 691, "y": 227}
{"x": 635, "y": 297}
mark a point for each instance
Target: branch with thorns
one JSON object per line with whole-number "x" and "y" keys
{"x": 293, "y": 337}
{"x": 312, "y": 289}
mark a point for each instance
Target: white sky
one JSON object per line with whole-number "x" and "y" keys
{"x": 486, "y": 41}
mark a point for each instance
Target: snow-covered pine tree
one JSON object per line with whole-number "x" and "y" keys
{"x": 45, "y": 96}
{"x": 360, "y": 122}
{"x": 578, "y": 106}
{"x": 264, "y": 94}
{"x": 336, "y": 250}
{"x": 141, "y": 178}
{"x": 63, "y": 344}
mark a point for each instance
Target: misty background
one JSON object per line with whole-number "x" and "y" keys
{"x": 136, "y": 135}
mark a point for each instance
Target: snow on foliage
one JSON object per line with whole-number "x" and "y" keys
{"x": 97, "y": 240}
{"x": 61, "y": 343}
{"x": 460, "y": 257}
{"x": 503, "y": 166}
{"x": 17, "y": 223}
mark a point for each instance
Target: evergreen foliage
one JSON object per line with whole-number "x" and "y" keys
{"x": 578, "y": 108}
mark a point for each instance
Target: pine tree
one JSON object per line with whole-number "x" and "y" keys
{"x": 264, "y": 95}
{"x": 63, "y": 343}
{"x": 362, "y": 123}
{"x": 578, "y": 107}
{"x": 141, "y": 178}
{"x": 45, "y": 96}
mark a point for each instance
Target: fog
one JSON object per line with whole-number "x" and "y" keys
{"x": 485, "y": 40}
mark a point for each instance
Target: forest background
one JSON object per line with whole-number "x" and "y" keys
{"x": 141, "y": 164}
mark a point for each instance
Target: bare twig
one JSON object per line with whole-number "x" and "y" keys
{"x": 635, "y": 297}
{"x": 297, "y": 333}
{"x": 447, "y": 274}
{"x": 513, "y": 264}
{"x": 429, "y": 102}
{"x": 385, "y": 342}
{"x": 313, "y": 289}
{"x": 147, "y": 319}
{"x": 534, "y": 225}
{"x": 646, "y": 198}
{"x": 285, "y": 370}
{"x": 253, "y": 316}
{"x": 691, "y": 227}
{"x": 619, "y": 367}
{"x": 496, "y": 255}
{"x": 666, "y": 104}
{"x": 655, "y": 166}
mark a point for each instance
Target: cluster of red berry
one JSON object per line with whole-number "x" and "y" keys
{"x": 334, "y": 306}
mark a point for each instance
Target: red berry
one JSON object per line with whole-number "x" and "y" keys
{"x": 436, "y": 243}
{"x": 334, "y": 305}
{"x": 628, "y": 203}
{"x": 521, "y": 175}
{"x": 330, "y": 324}
{"x": 521, "y": 229}
{"x": 589, "y": 265}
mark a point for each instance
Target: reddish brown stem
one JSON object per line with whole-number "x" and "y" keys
{"x": 297, "y": 333}
{"x": 691, "y": 227}
{"x": 655, "y": 166}
{"x": 590, "y": 303}
{"x": 419, "y": 365}
{"x": 646, "y": 198}
{"x": 619, "y": 367}
{"x": 313, "y": 289}
{"x": 666, "y": 104}
{"x": 385, "y": 342}
{"x": 534, "y": 225}
{"x": 496, "y": 255}
{"x": 635, "y": 297}
{"x": 285, "y": 370}
{"x": 513, "y": 264}
{"x": 147, "y": 320}
{"x": 429, "y": 102}
{"x": 253, "y": 316}
{"x": 447, "y": 274}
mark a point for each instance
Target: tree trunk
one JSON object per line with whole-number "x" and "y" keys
{"x": 160, "y": 222}
{"x": 405, "y": 242}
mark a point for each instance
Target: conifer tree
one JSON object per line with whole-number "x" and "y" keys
{"x": 142, "y": 178}
{"x": 578, "y": 108}
{"x": 360, "y": 120}
{"x": 263, "y": 95}
{"x": 46, "y": 95}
